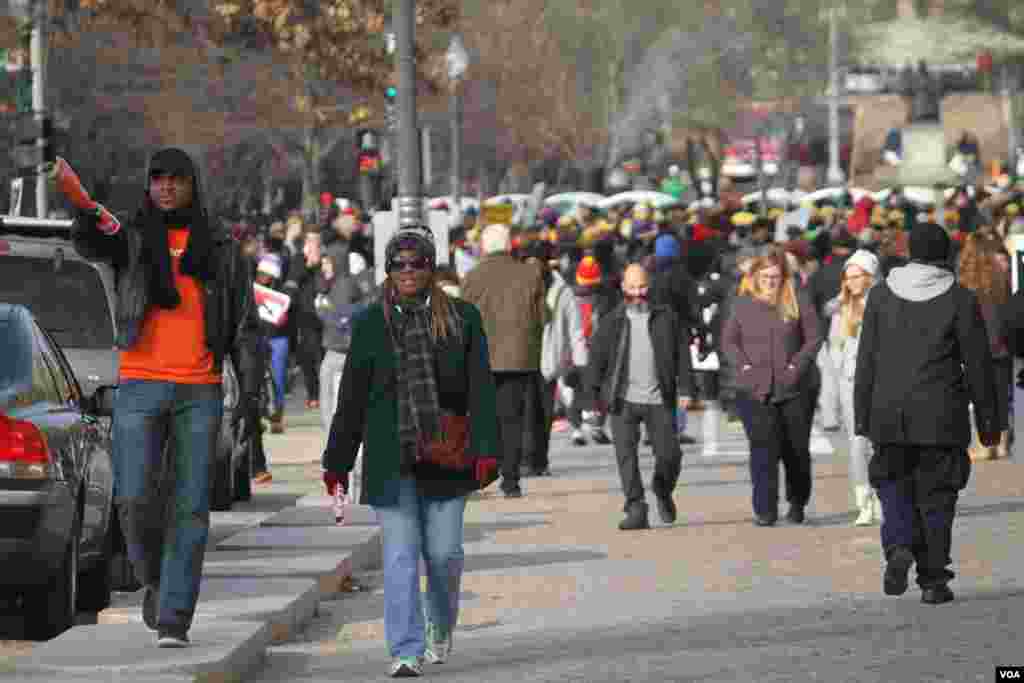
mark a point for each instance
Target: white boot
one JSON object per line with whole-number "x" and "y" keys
{"x": 876, "y": 506}
{"x": 862, "y": 495}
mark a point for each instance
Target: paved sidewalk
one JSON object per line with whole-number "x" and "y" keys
{"x": 554, "y": 592}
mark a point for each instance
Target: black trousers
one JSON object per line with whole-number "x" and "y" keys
{"x": 668, "y": 458}
{"x": 540, "y": 414}
{"x": 778, "y": 431}
{"x": 512, "y": 391}
{"x": 310, "y": 353}
{"x": 918, "y": 487}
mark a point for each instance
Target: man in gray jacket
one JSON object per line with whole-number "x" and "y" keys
{"x": 924, "y": 357}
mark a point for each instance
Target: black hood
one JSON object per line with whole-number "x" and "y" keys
{"x": 198, "y": 259}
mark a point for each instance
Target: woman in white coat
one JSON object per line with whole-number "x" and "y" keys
{"x": 847, "y": 313}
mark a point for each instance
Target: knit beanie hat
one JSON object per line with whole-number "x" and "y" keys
{"x": 418, "y": 238}
{"x": 863, "y": 259}
{"x": 588, "y": 272}
{"x": 666, "y": 247}
{"x": 270, "y": 265}
{"x": 929, "y": 243}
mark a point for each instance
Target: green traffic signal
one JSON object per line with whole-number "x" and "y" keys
{"x": 391, "y": 93}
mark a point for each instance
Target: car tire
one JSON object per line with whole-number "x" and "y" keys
{"x": 122, "y": 574}
{"x": 243, "y": 475}
{"x": 222, "y": 478}
{"x": 50, "y": 609}
{"x": 96, "y": 583}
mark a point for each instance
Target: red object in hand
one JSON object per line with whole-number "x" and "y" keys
{"x": 70, "y": 186}
{"x": 484, "y": 469}
{"x": 332, "y": 481}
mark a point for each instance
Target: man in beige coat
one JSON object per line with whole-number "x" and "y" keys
{"x": 510, "y": 296}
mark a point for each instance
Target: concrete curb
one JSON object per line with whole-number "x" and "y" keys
{"x": 226, "y": 647}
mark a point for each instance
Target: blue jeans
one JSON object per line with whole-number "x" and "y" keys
{"x": 166, "y": 552}
{"x": 278, "y": 368}
{"x": 432, "y": 528}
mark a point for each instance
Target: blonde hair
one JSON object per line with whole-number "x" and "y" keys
{"x": 980, "y": 271}
{"x": 787, "y": 305}
{"x": 851, "y": 307}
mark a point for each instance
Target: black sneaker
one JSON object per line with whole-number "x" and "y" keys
{"x": 795, "y": 514}
{"x": 667, "y": 509}
{"x": 937, "y": 595}
{"x": 172, "y": 638}
{"x": 149, "y": 598}
{"x": 894, "y": 581}
{"x": 687, "y": 440}
{"x": 764, "y": 520}
{"x": 514, "y": 493}
{"x": 540, "y": 472}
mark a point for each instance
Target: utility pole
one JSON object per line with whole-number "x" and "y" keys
{"x": 410, "y": 203}
{"x": 37, "y": 59}
{"x": 458, "y": 61}
{"x": 835, "y": 173}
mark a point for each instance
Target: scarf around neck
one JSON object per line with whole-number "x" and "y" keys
{"x": 197, "y": 261}
{"x": 419, "y": 408}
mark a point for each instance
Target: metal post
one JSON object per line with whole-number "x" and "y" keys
{"x": 835, "y": 173}
{"x": 410, "y": 204}
{"x": 37, "y": 59}
{"x": 457, "y": 153}
{"x": 1011, "y": 123}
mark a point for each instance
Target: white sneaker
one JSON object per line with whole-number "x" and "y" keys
{"x": 438, "y": 649}
{"x": 406, "y": 667}
{"x": 171, "y": 640}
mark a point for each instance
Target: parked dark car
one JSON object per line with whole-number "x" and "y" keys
{"x": 56, "y": 481}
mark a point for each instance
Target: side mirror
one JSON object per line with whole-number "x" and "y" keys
{"x": 101, "y": 403}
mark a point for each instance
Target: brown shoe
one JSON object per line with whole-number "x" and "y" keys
{"x": 262, "y": 478}
{"x": 277, "y": 424}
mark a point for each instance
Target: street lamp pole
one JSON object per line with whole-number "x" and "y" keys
{"x": 835, "y": 173}
{"x": 458, "y": 62}
{"x": 37, "y": 49}
{"x": 410, "y": 203}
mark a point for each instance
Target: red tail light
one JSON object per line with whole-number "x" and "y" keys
{"x": 24, "y": 452}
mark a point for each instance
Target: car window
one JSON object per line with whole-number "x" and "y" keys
{"x": 69, "y": 303}
{"x": 68, "y": 374}
{"x": 15, "y": 364}
{"x": 56, "y": 371}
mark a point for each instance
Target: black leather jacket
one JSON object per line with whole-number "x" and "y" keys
{"x": 232, "y": 319}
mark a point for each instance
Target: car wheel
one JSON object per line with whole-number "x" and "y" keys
{"x": 243, "y": 475}
{"x": 222, "y": 478}
{"x": 50, "y": 608}
{"x": 122, "y": 574}
{"x": 95, "y": 584}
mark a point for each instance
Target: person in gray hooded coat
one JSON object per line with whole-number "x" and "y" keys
{"x": 924, "y": 357}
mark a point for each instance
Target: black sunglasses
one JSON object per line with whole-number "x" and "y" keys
{"x": 397, "y": 265}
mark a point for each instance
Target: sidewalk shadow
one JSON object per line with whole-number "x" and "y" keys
{"x": 478, "y": 531}
{"x": 488, "y": 561}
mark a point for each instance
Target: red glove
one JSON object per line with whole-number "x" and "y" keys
{"x": 485, "y": 469}
{"x": 332, "y": 481}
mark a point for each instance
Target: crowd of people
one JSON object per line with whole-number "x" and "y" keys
{"x": 894, "y": 325}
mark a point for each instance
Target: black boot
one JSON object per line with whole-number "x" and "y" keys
{"x": 937, "y": 595}
{"x": 636, "y": 518}
{"x": 898, "y": 564}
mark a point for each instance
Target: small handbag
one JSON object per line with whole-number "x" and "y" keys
{"x": 450, "y": 451}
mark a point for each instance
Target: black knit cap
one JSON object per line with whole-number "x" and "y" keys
{"x": 929, "y": 243}
{"x": 172, "y": 161}
{"x": 418, "y": 238}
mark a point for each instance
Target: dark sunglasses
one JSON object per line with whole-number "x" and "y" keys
{"x": 397, "y": 265}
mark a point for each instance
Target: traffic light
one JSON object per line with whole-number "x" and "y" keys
{"x": 25, "y": 153}
{"x": 367, "y": 152}
{"x": 390, "y": 95}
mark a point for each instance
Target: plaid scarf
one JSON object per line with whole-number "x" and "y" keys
{"x": 419, "y": 409}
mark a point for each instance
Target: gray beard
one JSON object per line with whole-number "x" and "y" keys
{"x": 640, "y": 307}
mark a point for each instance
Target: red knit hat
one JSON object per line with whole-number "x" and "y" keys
{"x": 325, "y": 199}
{"x": 588, "y": 272}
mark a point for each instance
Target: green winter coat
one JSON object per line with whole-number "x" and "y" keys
{"x": 368, "y": 407}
